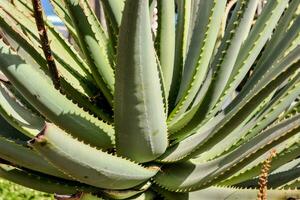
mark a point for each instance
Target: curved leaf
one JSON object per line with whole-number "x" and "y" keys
{"x": 87, "y": 164}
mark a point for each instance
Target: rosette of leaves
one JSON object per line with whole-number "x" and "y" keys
{"x": 173, "y": 99}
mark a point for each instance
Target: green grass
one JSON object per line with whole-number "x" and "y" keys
{"x": 11, "y": 191}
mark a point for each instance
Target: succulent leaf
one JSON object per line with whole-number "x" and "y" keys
{"x": 194, "y": 174}
{"x": 41, "y": 182}
{"x": 114, "y": 9}
{"x": 61, "y": 111}
{"x": 94, "y": 45}
{"x": 87, "y": 164}
{"x": 165, "y": 40}
{"x": 138, "y": 89}
{"x": 181, "y": 45}
{"x": 207, "y": 24}
{"x": 231, "y": 193}
{"x": 157, "y": 99}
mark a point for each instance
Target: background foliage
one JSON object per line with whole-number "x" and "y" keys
{"x": 11, "y": 191}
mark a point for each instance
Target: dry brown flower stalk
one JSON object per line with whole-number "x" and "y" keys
{"x": 263, "y": 177}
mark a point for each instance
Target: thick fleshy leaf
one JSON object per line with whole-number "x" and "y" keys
{"x": 38, "y": 90}
{"x": 18, "y": 115}
{"x": 181, "y": 45}
{"x": 87, "y": 164}
{"x": 230, "y": 193}
{"x": 204, "y": 35}
{"x": 140, "y": 119}
{"x": 13, "y": 149}
{"x": 114, "y": 9}
{"x": 195, "y": 174}
{"x": 94, "y": 44}
{"x": 41, "y": 182}
{"x": 31, "y": 51}
{"x": 165, "y": 40}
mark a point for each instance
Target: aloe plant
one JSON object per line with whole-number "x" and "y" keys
{"x": 172, "y": 99}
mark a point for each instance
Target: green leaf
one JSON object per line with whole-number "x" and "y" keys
{"x": 285, "y": 153}
{"x": 87, "y": 164}
{"x": 78, "y": 93}
{"x": 125, "y": 194}
{"x": 86, "y": 196}
{"x": 206, "y": 136}
{"x": 39, "y": 91}
{"x": 230, "y": 193}
{"x": 61, "y": 10}
{"x": 13, "y": 149}
{"x": 260, "y": 33}
{"x": 252, "y": 46}
{"x": 181, "y": 45}
{"x": 23, "y": 29}
{"x": 205, "y": 32}
{"x": 139, "y": 108}
{"x": 18, "y": 115}
{"x": 223, "y": 62}
{"x": 148, "y": 195}
{"x": 114, "y": 10}
{"x": 94, "y": 44}
{"x": 165, "y": 40}
{"x": 194, "y": 174}
{"x": 41, "y": 182}
{"x": 258, "y": 120}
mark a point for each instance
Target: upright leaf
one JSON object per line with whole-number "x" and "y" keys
{"x": 140, "y": 119}
{"x": 166, "y": 40}
{"x": 181, "y": 43}
{"x": 204, "y": 35}
{"x": 94, "y": 45}
{"x": 114, "y": 9}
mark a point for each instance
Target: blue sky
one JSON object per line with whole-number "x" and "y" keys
{"x": 50, "y": 13}
{"x": 47, "y": 7}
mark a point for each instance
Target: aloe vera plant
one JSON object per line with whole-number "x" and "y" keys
{"x": 172, "y": 99}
